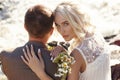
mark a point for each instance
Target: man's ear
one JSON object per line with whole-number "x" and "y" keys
{"x": 25, "y": 27}
{"x": 51, "y": 31}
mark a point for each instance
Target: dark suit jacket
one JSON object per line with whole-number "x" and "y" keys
{"x": 15, "y": 69}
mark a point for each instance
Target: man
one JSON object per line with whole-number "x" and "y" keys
{"x": 38, "y": 23}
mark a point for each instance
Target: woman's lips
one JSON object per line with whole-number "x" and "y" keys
{"x": 65, "y": 36}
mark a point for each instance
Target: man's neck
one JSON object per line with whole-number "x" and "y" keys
{"x": 38, "y": 40}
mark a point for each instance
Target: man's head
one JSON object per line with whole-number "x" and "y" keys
{"x": 38, "y": 21}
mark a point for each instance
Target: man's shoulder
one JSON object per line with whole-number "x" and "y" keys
{"x": 3, "y": 56}
{"x": 7, "y": 52}
{"x": 3, "y": 53}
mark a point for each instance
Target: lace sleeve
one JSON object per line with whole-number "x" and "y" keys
{"x": 92, "y": 47}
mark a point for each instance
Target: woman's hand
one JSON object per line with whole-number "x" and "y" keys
{"x": 56, "y": 51}
{"x": 37, "y": 65}
{"x": 31, "y": 59}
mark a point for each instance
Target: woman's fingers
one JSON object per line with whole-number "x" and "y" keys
{"x": 24, "y": 60}
{"x": 39, "y": 54}
{"x": 25, "y": 54}
{"x": 56, "y": 51}
{"x": 40, "y": 57}
{"x": 28, "y": 52}
{"x": 32, "y": 51}
{"x": 30, "y": 59}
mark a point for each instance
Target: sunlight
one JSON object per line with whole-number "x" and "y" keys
{"x": 104, "y": 14}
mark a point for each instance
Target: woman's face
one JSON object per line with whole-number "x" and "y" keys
{"x": 64, "y": 27}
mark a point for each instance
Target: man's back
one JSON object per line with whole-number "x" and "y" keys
{"x": 15, "y": 69}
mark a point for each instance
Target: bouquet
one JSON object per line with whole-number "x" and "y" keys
{"x": 63, "y": 60}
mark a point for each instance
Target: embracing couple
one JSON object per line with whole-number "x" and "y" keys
{"x": 33, "y": 60}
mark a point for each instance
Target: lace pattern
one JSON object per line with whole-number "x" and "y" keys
{"x": 91, "y": 47}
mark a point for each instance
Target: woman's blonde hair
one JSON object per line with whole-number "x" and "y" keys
{"x": 73, "y": 13}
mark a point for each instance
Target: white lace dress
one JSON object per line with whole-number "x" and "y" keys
{"x": 96, "y": 54}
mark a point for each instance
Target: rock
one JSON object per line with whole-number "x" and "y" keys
{"x": 115, "y": 70}
{"x": 115, "y": 40}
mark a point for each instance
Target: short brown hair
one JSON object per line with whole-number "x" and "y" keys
{"x": 38, "y": 20}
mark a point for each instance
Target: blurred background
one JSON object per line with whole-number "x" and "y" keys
{"x": 105, "y": 15}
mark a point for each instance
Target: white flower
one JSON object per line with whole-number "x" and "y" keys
{"x": 63, "y": 61}
{"x": 58, "y": 75}
{"x": 60, "y": 69}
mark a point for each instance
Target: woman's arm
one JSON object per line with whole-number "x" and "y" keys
{"x": 37, "y": 65}
{"x": 78, "y": 66}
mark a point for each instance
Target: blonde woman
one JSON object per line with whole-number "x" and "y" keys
{"x": 88, "y": 46}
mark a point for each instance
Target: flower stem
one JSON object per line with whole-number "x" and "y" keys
{"x": 64, "y": 77}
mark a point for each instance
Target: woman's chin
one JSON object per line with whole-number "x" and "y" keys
{"x": 67, "y": 39}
